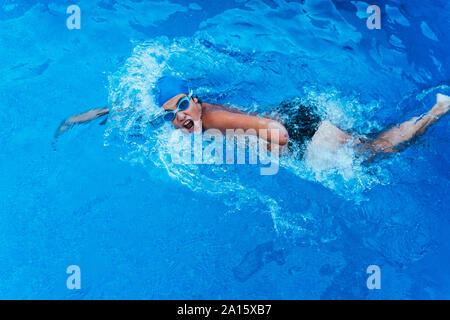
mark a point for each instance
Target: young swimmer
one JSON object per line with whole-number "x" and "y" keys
{"x": 294, "y": 123}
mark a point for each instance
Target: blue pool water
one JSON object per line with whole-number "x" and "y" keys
{"x": 108, "y": 199}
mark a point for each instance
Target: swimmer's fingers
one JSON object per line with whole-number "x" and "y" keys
{"x": 63, "y": 128}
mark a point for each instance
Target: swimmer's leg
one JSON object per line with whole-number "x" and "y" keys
{"x": 81, "y": 118}
{"x": 391, "y": 141}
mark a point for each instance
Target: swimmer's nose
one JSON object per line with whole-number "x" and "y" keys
{"x": 181, "y": 115}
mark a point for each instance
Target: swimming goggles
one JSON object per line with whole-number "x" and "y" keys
{"x": 168, "y": 115}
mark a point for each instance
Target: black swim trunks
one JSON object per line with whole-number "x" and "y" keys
{"x": 301, "y": 121}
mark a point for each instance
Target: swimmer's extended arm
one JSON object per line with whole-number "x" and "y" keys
{"x": 81, "y": 118}
{"x": 223, "y": 120}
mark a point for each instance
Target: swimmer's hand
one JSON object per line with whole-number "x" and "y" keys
{"x": 442, "y": 106}
{"x": 80, "y": 118}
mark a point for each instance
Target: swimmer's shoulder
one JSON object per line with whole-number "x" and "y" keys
{"x": 222, "y": 117}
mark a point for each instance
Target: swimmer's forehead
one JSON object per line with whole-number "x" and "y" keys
{"x": 171, "y": 104}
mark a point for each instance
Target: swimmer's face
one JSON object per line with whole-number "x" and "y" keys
{"x": 187, "y": 120}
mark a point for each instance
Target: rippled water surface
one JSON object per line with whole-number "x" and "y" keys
{"x": 109, "y": 198}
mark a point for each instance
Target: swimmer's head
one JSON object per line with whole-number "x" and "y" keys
{"x": 171, "y": 92}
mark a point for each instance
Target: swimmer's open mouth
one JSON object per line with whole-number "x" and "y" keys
{"x": 188, "y": 124}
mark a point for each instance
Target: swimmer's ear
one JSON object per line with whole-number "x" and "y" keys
{"x": 196, "y": 99}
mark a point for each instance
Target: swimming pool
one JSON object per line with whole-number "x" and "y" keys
{"x": 108, "y": 199}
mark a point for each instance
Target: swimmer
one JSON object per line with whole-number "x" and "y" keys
{"x": 293, "y": 123}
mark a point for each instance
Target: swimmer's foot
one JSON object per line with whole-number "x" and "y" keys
{"x": 442, "y": 106}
